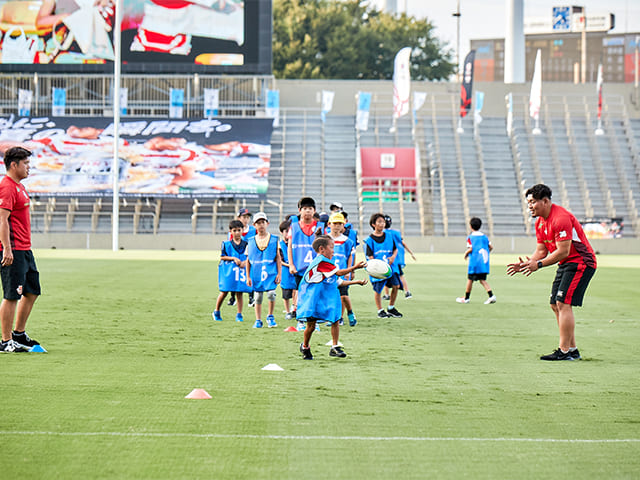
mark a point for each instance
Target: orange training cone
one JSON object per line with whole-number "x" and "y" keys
{"x": 290, "y": 329}
{"x": 199, "y": 394}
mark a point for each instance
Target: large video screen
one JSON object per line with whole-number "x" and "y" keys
{"x": 158, "y": 36}
{"x": 222, "y": 157}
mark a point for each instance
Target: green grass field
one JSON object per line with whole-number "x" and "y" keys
{"x": 448, "y": 391}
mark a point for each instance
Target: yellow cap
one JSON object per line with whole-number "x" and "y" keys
{"x": 337, "y": 218}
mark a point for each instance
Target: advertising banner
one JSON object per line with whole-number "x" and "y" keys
{"x": 157, "y": 35}
{"x": 362, "y": 114}
{"x": 158, "y": 157}
{"x": 467, "y": 84}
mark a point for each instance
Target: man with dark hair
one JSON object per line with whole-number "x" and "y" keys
{"x": 560, "y": 240}
{"x": 20, "y": 277}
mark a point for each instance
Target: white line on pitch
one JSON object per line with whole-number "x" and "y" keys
{"x": 320, "y": 437}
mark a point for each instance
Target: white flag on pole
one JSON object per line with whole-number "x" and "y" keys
{"x": 401, "y": 82}
{"x": 327, "y": 103}
{"x": 535, "y": 98}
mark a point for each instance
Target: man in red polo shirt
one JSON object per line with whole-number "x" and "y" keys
{"x": 20, "y": 277}
{"x": 560, "y": 239}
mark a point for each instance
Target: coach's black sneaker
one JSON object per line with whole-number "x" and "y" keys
{"x": 337, "y": 352}
{"x": 23, "y": 339}
{"x": 393, "y": 312}
{"x": 232, "y": 299}
{"x": 575, "y": 354}
{"x": 306, "y": 353}
{"x": 383, "y": 314}
{"x": 12, "y": 347}
{"x": 558, "y": 355}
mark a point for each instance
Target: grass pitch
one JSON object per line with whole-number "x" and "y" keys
{"x": 448, "y": 390}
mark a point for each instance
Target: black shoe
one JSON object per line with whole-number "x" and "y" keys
{"x": 306, "y": 353}
{"x": 12, "y": 347}
{"x": 386, "y": 297}
{"x": 383, "y": 314}
{"x": 232, "y": 301}
{"x": 393, "y": 312}
{"x": 293, "y": 314}
{"x": 24, "y": 339}
{"x": 576, "y": 354}
{"x": 558, "y": 355}
{"x": 337, "y": 352}
{"x": 252, "y": 300}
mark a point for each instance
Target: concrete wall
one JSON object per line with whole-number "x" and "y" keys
{"x": 520, "y": 245}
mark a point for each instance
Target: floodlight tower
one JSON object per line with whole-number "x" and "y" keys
{"x": 514, "y": 52}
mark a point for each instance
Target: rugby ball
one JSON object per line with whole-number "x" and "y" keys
{"x": 378, "y": 268}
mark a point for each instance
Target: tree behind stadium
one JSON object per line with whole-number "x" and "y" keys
{"x": 346, "y": 40}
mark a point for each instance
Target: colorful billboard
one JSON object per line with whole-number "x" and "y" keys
{"x": 172, "y": 36}
{"x": 158, "y": 157}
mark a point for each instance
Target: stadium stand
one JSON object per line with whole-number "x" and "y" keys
{"x": 481, "y": 172}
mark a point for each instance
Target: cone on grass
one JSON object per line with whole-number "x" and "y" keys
{"x": 291, "y": 329}
{"x": 198, "y": 394}
{"x": 37, "y": 349}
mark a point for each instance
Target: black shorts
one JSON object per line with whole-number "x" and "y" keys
{"x": 474, "y": 277}
{"x": 287, "y": 293}
{"x": 344, "y": 290}
{"x": 21, "y": 276}
{"x": 571, "y": 283}
{"x": 298, "y": 278}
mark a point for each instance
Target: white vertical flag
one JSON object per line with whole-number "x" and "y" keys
{"x": 211, "y": 102}
{"x": 362, "y": 115}
{"x": 24, "y": 102}
{"x": 59, "y": 104}
{"x": 535, "y": 98}
{"x": 327, "y": 103}
{"x": 176, "y": 107}
{"x": 479, "y": 104}
{"x": 401, "y": 83}
{"x": 272, "y": 109}
{"x": 124, "y": 101}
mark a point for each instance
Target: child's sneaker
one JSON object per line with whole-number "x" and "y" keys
{"x": 393, "y": 312}
{"x": 271, "y": 321}
{"x": 386, "y": 297}
{"x": 341, "y": 321}
{"x": 383, "y": 314}
{"x": 252, "y": 300}
{"x": 288, "y": 316}
{"x": 216, "y": 316}
{"x": 408, "y": 295}
{"x": 306, "y": 353}
{"x": 462, "y": 300}
{"x": 301, "y": 326}
{"x": 337, "y": 351}
{"x": 239, "y": 317}
{"x": 352, "y": 319}
{"x": 258, "y": 324}
{"x": 232, "y": 301}
{"x": 491, "y": 299}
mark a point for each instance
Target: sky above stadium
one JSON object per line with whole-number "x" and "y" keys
{"x": 486, "y": 18}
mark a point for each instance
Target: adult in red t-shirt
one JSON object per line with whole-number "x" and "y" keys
{"x": 20, "y": 277}
{"x": 560, "y": 239}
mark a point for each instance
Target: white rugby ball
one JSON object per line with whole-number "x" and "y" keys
{"x": 378, "y": 268}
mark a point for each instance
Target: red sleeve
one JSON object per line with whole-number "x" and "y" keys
{"x": 562, "y": 228}
{"x": 7, "y": 197}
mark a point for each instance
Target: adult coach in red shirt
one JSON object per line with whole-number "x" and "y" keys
{"x": 20, "y": 277}
{"x": 560, "y": 239}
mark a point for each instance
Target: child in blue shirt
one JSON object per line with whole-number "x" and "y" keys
{"x": 478, "y": 248}
{"x": 232, "y": 269}
{"x": 288, "y": 281}
{"x": 319, "y": 298}
{"x": 263, "y": 268}
{"x": 382, "y": 246}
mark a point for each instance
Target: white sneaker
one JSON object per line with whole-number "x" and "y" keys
{"x": 491, "y": 299}
{"x": 462, "y": 300}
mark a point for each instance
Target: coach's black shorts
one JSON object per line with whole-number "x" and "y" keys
{"x": 570, "y": 283}
{"x": 21, "y": 276}
{"x": 474, "y": 277}
{"x": 287, "y": 293}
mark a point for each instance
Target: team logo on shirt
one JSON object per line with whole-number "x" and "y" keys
{"x": 562, "y": 234}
